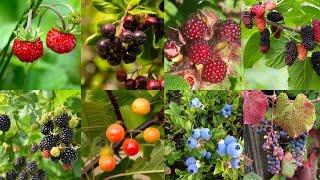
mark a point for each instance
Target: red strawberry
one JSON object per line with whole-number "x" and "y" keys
{"x": 215, "y": 71}
{"x": 229, "y": 31}
{"x": 257, "y": 10}
{"x": 194, "y": 28}
{"x": 27, "y": 51}
{"x": 316, "y": 29}
{"x": 200, "y": 52}
{"x": 60, "y": 42}
{"x": 261, "y": 23}
{"x": 302, "y": 52}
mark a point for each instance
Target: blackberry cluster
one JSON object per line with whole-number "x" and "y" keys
{"x": 5, "y": 123}
{"x": 291, "y": 53}
{"x": 275, "y": 17}
{"x": 315, "y": 60}
{"x": 307, "y": 37}
{"x": 24, "y": 170}
{"x": 127, "y": 45}
{"x": 265, "y": 41}
{"x": 246, "y": 18}
{"x": 298, "y": 148}
{"x": 62, "y": 120}
{"x": 47, "y": 128}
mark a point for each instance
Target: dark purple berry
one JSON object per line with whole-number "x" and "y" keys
{"x": 130, "y": 22}
{"x": 151, "y": 21}
{"x": 108, "y": 30}
{"x": 307, "y": 37}
{"x": 141, "y": 82}
{"x": 130, "y": 84}
{"x": 274, "y": 16}
{"x": 128, "y": 58}
{"x": 265, "y": 41}
{"x": 315, "y": 61}
{"x": 121, "y": 75}
{"x": 246, "y": 17}
{"x": 114, "y": 59}
{"x": 116, "y": 44}
{"x": 139, "y": 37}
{"x": 126, "y": 36}
{"x": 134, "y": 49}
{"x": 291, "y": 53}
{"x": 103, "y": 45}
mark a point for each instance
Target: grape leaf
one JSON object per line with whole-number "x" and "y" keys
{"x": 295, "y": 117}
{"x": 255, "y": 106}
{"x": 288, "y": 165}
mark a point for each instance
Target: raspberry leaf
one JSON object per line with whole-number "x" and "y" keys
{"x": 176, "y": 82}
{"x": 255, "y": 107}
{"x": 295, "y": 116}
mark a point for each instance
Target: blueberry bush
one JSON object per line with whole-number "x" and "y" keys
{"x": 203, "y": 135}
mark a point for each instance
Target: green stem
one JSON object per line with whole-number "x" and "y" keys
{"x": 57, "y": 13}
{"x": 137, "y": 172}
{"x": 29, "y": 21}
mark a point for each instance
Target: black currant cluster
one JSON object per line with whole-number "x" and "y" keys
{"x": 5, "y": 123}
{"x": 140, "y": 82}
{"x": 23, "y": 170}
{"x": 298, "y": 148}
{"x": 57, "y": 142}
{"x": 128, "y": 44}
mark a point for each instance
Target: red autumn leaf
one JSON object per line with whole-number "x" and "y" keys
{"x": 255, "y": 107}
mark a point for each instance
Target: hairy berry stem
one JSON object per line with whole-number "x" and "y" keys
{"x": 57, "y": 13}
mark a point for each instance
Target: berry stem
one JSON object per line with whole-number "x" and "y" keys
{"x": 116, "y": 107}
{"x": 280, "y": 26}
{"x": 29, "y": 21}
{"x": 57, "y": 13}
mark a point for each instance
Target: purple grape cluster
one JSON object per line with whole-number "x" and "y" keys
{"x": 298, "y": 148}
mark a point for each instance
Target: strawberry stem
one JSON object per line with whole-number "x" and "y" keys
{"x": 57, "y": 13}
{"x": 29, "y": 21}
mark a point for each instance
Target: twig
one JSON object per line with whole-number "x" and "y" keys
{"x": 115, "y": 107}
{"x": 281, "y": 26}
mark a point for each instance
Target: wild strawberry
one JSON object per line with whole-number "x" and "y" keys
{"x": 269, "y": 5}
{"x": 60, "y": 42}
{"x": 302, "y": 52}
{"x": 194, "y": 28}
{"x": 27, "y": 51}
{"x": 316, "y": 29}
{"x": 215, "y": 71}
{"x": 258, "y": 10}
{"x": 261, "y": 23}
{"x": 229, "y": 31}
{"x": 200, "y": 52}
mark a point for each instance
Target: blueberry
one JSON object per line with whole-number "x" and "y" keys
{"x": 229, "y": 139}
{"x": 228, "y": 113}
{"x": 192, "y": 169}
{"x": 190, "y": 160}
{"x": 228, "y": 107}
{"x": 222, "y": 149}
{"x": 195, "y": 102}
{"x": 192, "y": 142}
{"x": 223, "y": 112}
{"x": 196, "y": 133}
{"x": 203, "y": 153}
{"x": 206, "y": 134}
{"x": 208, "y": 155}
{"x": 234, "y": 150}
{"x": 235, "y": 163}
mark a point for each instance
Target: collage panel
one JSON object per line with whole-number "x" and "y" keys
{"x": 280, "y": 42}
{"x": 204, "y": 135}
{"x": 40, "y": 48}
{"x": 281, "y": 134}
{"x": 122, "y": 44}
{"x": 122, "y": 134}
{"x": 203, "y": 46}
{"x": 40, "y": 135}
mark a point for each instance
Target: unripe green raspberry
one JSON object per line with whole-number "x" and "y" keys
{"x": 55, "y": 152}
{"x": 73, "y": 123}
{"x": 60, "y": 110}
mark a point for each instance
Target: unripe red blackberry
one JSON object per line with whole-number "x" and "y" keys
{"x": 126, "y": 36}
{"x": 265, "y": 41}
{"x": 290, "y": 53}
{"x": 257, "y": 10}
{"x": 108, "y": 30}
{"x": 274, "y": 16}
{"x": 200, "y": 52}
{"x": 130, "y": 84}
{"x": 5, "y": 123}
{"x": 141, "y": 82}
{"x": 139, "y": 37}
{"x": 246, "y": 17}
{"x": 307, "y": 37}
{"x": 121, "y": 75}
{"x": 315, "y": 61}
{"x": 194, "y": 28}
{"x": 153, "y": 85}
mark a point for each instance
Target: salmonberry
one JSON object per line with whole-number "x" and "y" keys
{"x": 47, "y": 128}
{"x": 246, "y": 17}
{"x": 151, "y": 135}
{"x": 302, "y": 52}
{"x": 68, "y": 155}
{"x": 194, "y": 28}
{"x": 215, "y": 71}
{"x": 60, "y": 42}
{"x": 274, "y": 16}
{"x": 141, "y": 82}
{"x": 115, "y": 133}
{"x": 291, "y": 53}
{"x": 153, "y": 84}
{"x": 316, "y": 29}
{"x": 258, "y": 10}
{"x": 108, "y": 30}
{"x": 27, "y": 51}
{"x": 66, "y": 135}
{"x": 62, "y": 120}
{"x": 130, "y": 84}
{"x": 307, "y": 37}
{"x": 229, "y": 31}
{"x": 265, "y": 41}
{"x": 121, "y": 75}
{"x": 5, "y": 123}
{"x": 200, "y": 52}
{"x": 315, "y": 60}
{"x": 32, "y": 167}
{"x": 107, "y": 163}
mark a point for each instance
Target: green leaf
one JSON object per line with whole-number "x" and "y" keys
{"x": 142, "y": 10}
{"x": 275, "y": 56}
{"x": 105, "y": 7}
{"x": 93, "y": 39}
{"x": 252, "y": 176}
{"x": 174, "y": 82}
{"x": 132, "y": 2}
{"x": 288, "y": 165}
{"x": 251, "y": 53}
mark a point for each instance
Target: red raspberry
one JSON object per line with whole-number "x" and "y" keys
{"x": 229, "y": 31}
{"x": 302, "y": 52}
{"x": 194, "y": 28}
{"x": 215, "y": 71}
{"x": 269, "y": 5}
{"x": 316, "y": 29}
{"x": 261, "y": 23}
{"x": 200, "y": 52}
{"x": 67, "y": 167}
{"x": 60, "y": 42}
{"x": 27, "y": 51}
{"x": 257, "y": 10}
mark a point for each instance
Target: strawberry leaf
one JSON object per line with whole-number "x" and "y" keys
{"x": 295, "y": 117}
{"x": 255, "y": 107}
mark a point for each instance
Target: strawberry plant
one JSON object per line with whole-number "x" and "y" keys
{"x": 32, "y": 146}
{"x": 281, "y": 38}
{"x": 202, "y": 48}
{"x": 38, "y": 50}
{"x": 203, "y": 135}
{"x": 124, "y": 47}
{"x": 121, "y": 134}
{"x": 282, "y": 130}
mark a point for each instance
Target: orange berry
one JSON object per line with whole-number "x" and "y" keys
{"x": 302, "y": 52}
{"x": 107, "y": 163}
{"x": 141, "y": 106}
{"x": 106, "y": 151}
{"x": 151, "y": 135}
{"x": 115, "y": 133}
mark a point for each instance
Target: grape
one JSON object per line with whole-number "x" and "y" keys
{"x": 298, "y": 148}
{"x": 274, "y": 151}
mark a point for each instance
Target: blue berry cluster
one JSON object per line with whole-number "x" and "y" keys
{"x": 191, "y": 164}
{"x": 195, "y": 103}
{"x": 226, "y": 111}
{"x": 203, "y": 133}
{"x": 229, "y": 146}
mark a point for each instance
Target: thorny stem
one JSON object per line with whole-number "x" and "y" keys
{"x": 57, "y": 13}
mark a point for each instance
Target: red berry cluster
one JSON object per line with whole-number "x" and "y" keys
{"x": 127, "y": 45}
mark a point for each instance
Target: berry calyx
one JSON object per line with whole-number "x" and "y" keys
{"x": 27, "y": 51}
{"x": 130, "y": 147}
{"x": 215, "y": 71}
{"x": 60, "y": 42}
{"x": 200, "y": 52}
{"x": 107, "y": 163}
{"x": 151, "y": 135}
{"x": 194, "y": 28}
{"x": 141, "y": 106}
{"x": 108, "y": 30}
{"x": 115, "y": 133}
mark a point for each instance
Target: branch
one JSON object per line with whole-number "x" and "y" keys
{"x": 280, "y": 26}
{"x": 116, "y": 107}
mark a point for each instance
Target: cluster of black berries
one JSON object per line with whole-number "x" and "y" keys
{"x": 57, "y": 142}
{"x": 128, "y": 44}
{"x": 140, "y": 82}
{"x": 23, "y": 170}
{"x": 5, "y": 123}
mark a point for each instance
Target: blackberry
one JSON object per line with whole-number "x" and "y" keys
{"x": 20, "y": 162}
{"x": 4, "y": 123}
{"x": 48, "y": 142}
{"x": 41, "y": 174}
{"x": 307, "y": 37}
{"x": 47, "y": 128}
{"x": 23, "y": 175}
{"x": 32, "y": 167}
{"x": 68, "y": 156}
{"x": 274, "y": 16}
{"x": 34, "y": 148}
{"x": 66, "y": 135}
{"x": 130, "y": 84}
{"x": 246, "y": 17}
{"x": 62, "y": 120}
{"x": 11, "y": 175}
{"x": 265, "y": 41}
{"x": 315, "y": 61}
{"x": 55, "y": 159}
{"x": 291, "y": 53}
{"x": 108, "y": 30}
{"x": 139, "y": 37}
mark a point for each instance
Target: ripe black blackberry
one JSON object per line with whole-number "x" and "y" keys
{"x": 41, "y": 174}
{"x": 19, "y": 162}
{"x": 315, "y": 60}
{"x": 47, "y": 128}
{"x": 32, "y": 167}
{"x": 4, "y": 123}
{"x": 307, "y": 37}
{"x": 66, "y": 135}
{"x": 11, "y": 175}
{"x": 34, "y": 148}
{"x": 62, "y": 120}
{"x": 48, "y": 141}
{"x": 23, "y": 175}
{"x": 291, "y": 53}
{"x": 246, "y": 17}
{"x": 265, "y": 41}
{"x": 274, "y": 16}
{"x": 55, "y": 159}
{"x": 68, "y": 155}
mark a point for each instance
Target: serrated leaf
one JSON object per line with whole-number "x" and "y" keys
{"x": 295, "y": 117}
{"x": 255, "y": 106}
{"x": 174, "y": 82}
{"x": 251, "y": 53}
{"x": 142, "y": 10}
{"x": 93, "y": 39}
{"x": 132, "y": 2}
{"x": 275, "y": 56}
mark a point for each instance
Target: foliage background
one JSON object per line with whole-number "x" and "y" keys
{"x": 24, "y": 109}
{"x": 52, "y": 71}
